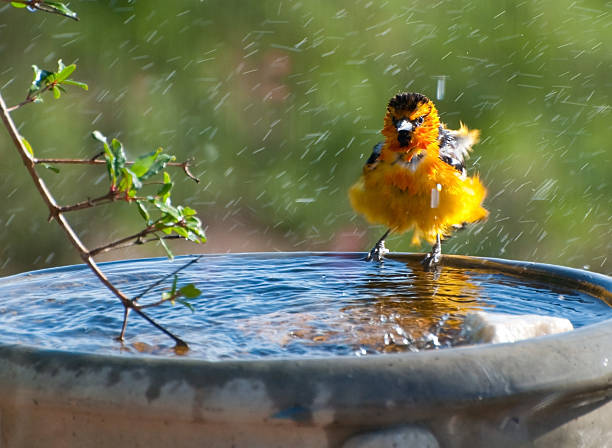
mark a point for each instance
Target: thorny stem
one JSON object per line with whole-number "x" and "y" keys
{"x": 185, "y": 165}
{"x": 58, "y": 216}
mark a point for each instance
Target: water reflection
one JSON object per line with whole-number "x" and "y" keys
{"x": 421, "y": 310}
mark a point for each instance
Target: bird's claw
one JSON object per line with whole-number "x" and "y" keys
{"x": 378, "y": 252}
{"x": 431, "y": 260}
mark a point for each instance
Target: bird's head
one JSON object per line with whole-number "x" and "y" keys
{"x": 411, "y": 122}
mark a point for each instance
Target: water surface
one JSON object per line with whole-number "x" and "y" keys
{"x": 285, "y": 305}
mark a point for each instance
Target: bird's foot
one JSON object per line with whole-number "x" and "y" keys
{"x": 432, "y": 259}
{"x": 378, "y": 252}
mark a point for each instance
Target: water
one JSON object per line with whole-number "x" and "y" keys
{"x": 285, "y": 305}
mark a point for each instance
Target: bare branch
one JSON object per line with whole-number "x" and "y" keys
{"x": 28, "y": 100}
{"x": 89, "y": 203}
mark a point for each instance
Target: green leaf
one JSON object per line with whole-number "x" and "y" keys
{"x": 60, "y": 65}
{"x": 190, "y": 291}
{"x": 71, "y": 82}
{"x": 143, "y": 212}
{"x": 119, "y": 154}
{"x": 27, "y": 146}
{"x": 41, "y": 79}
{"x": 62, "y": 9}
{"x": 97, "y": 135}
{"x": 166, "y": 248}
{"x": 128, "y": 181}
{"x": 51, "y": 167}
{"x": 180, "y": 231}
{"x": 164, "y": 191}
{"x": 56, "y": 92}
{"x": 18, "y": 5}
{"x": 174, "y": 283}
{"x": 160, "y": 163}
{"x": 188, "y": 211}
{"x": 109, "y": 156}
{"x": 143, "y": 163}
{"x": 168, "y": 210}
{"x": 187, "y": 304}
{"x": 64, "y": 72}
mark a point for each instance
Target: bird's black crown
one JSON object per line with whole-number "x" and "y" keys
{"x": 407, "y": 101}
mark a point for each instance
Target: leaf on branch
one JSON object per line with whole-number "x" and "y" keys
{"x": 150, "y": 164}
{"x": 27, "y": 146}
{"x": 186, "y": 304}
{"x": 51, "y": 168}
{"x": 129, "y": 182}
{"x": 39, "y": 82}
{"x": 62, "y": 9}
{"x": 190, "y": 291}
{"x": 143, "y": 212}
{"x": 109, "y": 156}
{"x": 118, "y": 156}
{"x": 46, "y": 80}
{"x": 46, "y": 6}
{"x": 166, "y": 248}
{"x": 64, "y": 72}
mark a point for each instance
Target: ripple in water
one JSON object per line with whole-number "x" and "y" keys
{"x": 262, "y": 305}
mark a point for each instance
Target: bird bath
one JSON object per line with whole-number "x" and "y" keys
{"x": 305, "y": 349}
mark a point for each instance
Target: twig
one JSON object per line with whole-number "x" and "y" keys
{"x": 108, "y": 197}
{"x": 115, "y": 245}
{"x": 164, "y": 278}
{"x": 28, "y": 100}
{"x": 95, "y": 161}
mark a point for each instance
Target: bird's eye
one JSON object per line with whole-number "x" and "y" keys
{"x": 420, "y": 120}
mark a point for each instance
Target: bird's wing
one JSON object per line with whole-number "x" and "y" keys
{"x": 455, "y": 146}
{"x": 375, "y": 154}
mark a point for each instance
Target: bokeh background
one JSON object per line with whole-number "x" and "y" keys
{"x": 280, "y": 103}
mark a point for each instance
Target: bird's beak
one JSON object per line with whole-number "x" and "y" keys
{"x": 404, "y": 132}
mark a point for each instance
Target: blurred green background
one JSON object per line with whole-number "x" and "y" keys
{"x": 280, "y": 103}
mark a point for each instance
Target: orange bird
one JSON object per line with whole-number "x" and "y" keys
{"x": 416, "y": 178}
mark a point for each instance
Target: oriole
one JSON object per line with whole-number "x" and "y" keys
{"x": 416, "y": 178}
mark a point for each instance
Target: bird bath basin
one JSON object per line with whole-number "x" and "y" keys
{"x": 305, "y": 349}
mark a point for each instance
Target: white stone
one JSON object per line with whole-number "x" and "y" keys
{"x": 485, "y": 327}
{"x": 402, "y": 436}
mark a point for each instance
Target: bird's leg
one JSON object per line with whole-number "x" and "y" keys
{"x": 433, "y": 258}
{"x": 379, "y": 250}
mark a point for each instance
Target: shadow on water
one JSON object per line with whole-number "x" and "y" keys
{"x": 282, "y": 305}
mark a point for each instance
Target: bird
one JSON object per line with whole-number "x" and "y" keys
{"x": 416, "y": 178}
